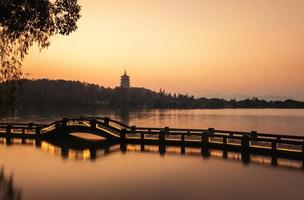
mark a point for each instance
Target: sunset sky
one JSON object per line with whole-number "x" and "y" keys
{"x": 200, "y": 47}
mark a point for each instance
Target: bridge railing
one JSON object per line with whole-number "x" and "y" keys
{"x": 20, "y": 128}
{"x": 212, "y": 136}
{"x": 204, "y": 136}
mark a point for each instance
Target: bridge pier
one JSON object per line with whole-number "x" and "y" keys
{"x": 93, "y": 154}
{"x": 225, "y": 154}
{"x": 245, "y": 142}
{"x": 107, "y": 149}
{"x": 142, "y": 147}
{"x": 162, "y": 149}
{"x": 205, "y": 152}
{"x": 123, "y": 147}
{"x": 8, "y": 140}
{"x": 183, "y": 149}
{"x": 64, "y": 152}
{"x": 274, "y": 160}
{"x": 245, "y": 157}
{"x": 37, "y": 143}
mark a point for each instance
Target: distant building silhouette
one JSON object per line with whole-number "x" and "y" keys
{"x": 125, "y": 81}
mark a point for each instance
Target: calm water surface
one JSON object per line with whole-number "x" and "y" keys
{"x": 48, "y": 171}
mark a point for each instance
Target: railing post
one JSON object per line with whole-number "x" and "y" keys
{"x": 8, "y": 134}
{"x": 123, "y": 134}
{"x": 245, "y": 142}
{"x": 93, "y": 123}
{"x": 274, "y": 145}
{"x": 211, "y": 131}
{"x": 57, "y": 126}
{"x": 167, "y": 129}
{"x": 30, "y": 125}
{"x": 254, "y": 134}
{"x": 225, "y": 140}
{"x": 162, "y": 136}
{"x": 106, "y": 121}
{"x": 64, "y": 122}
{"x": 8, "y": 129}
{"x": 38, "y": 130}
{"x": 182, "y": 137}
{"x": 205, "y": 139}
{"x": 142, "y": 136}
{"x": 133, "y": 128}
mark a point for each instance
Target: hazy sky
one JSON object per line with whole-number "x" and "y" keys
{"x": 200, "y": 47}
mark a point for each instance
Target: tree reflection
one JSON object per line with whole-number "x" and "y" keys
{"x": 8, "y": 191}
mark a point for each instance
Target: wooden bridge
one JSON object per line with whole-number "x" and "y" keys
{"x": 114, "y": 131}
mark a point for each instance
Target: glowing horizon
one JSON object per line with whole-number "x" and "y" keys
{"x": 199, "y": 47}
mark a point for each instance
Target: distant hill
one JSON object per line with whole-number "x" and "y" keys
{"x": 45, "y": 92}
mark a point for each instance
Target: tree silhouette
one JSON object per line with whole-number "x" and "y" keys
{"x": 26, "y": 22}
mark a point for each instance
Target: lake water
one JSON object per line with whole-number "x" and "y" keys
{"x": 48, "y": 171}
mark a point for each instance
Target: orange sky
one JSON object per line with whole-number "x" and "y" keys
{"x": 200, "y": 47}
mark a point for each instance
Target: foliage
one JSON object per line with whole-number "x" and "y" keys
{"x": 26, "y": 22}
{"x": 46, "y": 92}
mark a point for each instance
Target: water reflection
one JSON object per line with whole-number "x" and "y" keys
{"x": 8, "y": 190}
{"x": 71, "y": 149}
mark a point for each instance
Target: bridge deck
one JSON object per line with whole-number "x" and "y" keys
{"x": 116, "y": 131}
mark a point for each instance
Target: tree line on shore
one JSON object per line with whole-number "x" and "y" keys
{"x": 45, "y": 92}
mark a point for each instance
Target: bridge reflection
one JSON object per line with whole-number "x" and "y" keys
{"x": 75, "y": 149}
